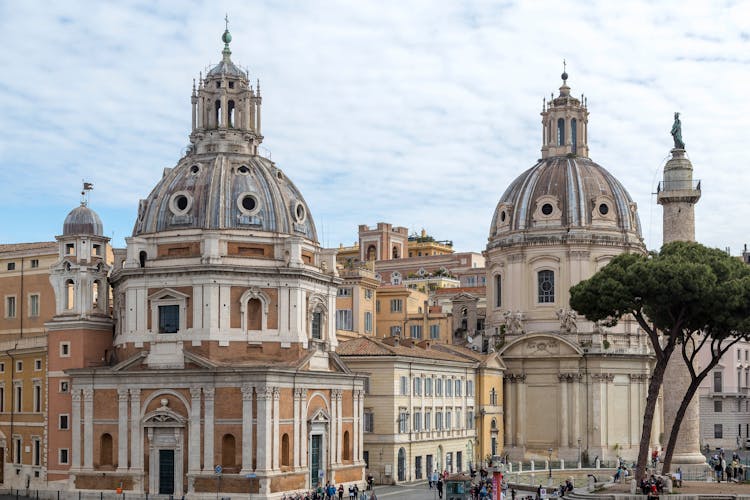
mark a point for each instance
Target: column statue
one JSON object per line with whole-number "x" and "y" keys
{"x": 677, "y": 132}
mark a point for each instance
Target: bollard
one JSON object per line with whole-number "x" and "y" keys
{"x": 580, "y": 465}
{"x": 562, "y": 464}
{"x": 101, "y": 495}
{"x": 598, "y": 463}
{"x": 58, "y": 494}
{"x": 510, "y": 466}
{"x": 520, "y": 466}
{"x": 533, "y": 466}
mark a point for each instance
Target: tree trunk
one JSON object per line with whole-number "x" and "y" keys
{"x": 689, "y": 394}
{"x": 657, "y": 377}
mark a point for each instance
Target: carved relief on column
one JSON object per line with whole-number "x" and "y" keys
{"x": 88, "y": 428}
{"x": 276, "y": 446}
{"x": 208, "y": 429}
{"x": 122, "y": 429}
{"x": 247, "y": 428}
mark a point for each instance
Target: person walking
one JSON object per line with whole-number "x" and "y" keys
{"x": 440, "y": 487}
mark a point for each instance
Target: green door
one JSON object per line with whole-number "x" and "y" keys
{"x": 314, "y": 459}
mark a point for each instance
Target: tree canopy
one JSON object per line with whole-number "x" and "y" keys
{"x": 682, "y": 291}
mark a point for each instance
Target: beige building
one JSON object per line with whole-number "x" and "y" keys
{"x": 407, "y": 313}
{"x": 420, "y": 407}
{"x": 356, "y": 302}
{"x": 570, "y": 385}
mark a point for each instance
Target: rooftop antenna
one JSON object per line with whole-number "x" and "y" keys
{"x": 87, "y": 186}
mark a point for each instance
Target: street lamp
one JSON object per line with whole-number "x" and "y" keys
{"x": 549, "y": 462}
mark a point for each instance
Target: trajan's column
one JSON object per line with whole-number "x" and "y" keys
{"x": 678, "y": 194}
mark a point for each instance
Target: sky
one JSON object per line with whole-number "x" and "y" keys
{"x": 417, "y": 113}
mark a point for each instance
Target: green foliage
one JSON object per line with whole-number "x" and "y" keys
{"x": 686, "y": 286}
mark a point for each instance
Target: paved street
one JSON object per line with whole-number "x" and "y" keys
{"x": 415, "y": 491}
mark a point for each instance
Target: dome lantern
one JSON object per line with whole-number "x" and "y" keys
{"x": 565, "y": 124}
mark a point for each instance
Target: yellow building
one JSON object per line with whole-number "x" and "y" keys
{"x": 419, "y": 407}
{"x": 406, "y": 313}
{"x": 424, "y": 245}
{"x": 27, "y": 302}
{"x": 355, "y": 302}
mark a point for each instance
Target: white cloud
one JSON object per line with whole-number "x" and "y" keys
{"x": 417, "y": 113}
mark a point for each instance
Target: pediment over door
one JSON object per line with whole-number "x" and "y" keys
{"x": 540, "y": 345}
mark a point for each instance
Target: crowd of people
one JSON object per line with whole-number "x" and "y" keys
{"x": 728, "y": 470}
{"x": 331, "y": 492}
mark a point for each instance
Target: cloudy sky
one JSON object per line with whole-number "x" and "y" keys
{"x": 414, "y": 113}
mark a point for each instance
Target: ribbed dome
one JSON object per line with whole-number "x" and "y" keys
{"x": 83, "y": 220}
{"x": 562, "y": 192}
{"x": 225, "y": 191}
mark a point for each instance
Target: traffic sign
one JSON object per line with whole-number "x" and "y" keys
{"x": 218, "y": 469}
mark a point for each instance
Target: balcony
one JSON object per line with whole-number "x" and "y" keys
{"x": 686, "y": 185}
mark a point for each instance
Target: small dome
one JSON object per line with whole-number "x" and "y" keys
{"x": 568, "y": 193}
{"x": 225, "y": 192}
{"x": 83, "y": 220}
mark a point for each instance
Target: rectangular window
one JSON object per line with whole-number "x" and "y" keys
{"x": 34, "y": 305}
{"x": 2, "y": 367}
{"x": 417, "y": 383}
{"x": 377, "y": 306}
{"x": 19, "y": 366}
{"x": 63, "y": 386}
{"x": 169, "y": 319}
{"x": 397, "y": 305}
{"x": 718, "y": 431}
{"x": 739, "y": 355}
{"x": 438, "y": 421}
{"x": 64, "y": 349}
{"x": 37, "y": 365}
{"x": 449, "y": 461}
{"x": 416, "y": 331}
{"x": 498, "y": 290}
{"x": 457, "y": 392}
{"x": 37, "y": 398}
{"x": 448, "y": 420}
{"x": 19, "y": 399}
{"x": 438, "y": 387}
{"x": 344, "y": 320}
{"x": 315, "y": 325}
{"x": 469, "y": 387}
{"x": 63, "y": 423}
{"x": 62, "y": 456}
{"x": 10, "y": 307}
{"x": 404, "y": 386}
{"x": 717, "y": 381}
{"x": 70, "y": 249}
{"x": 11, "y": 266}
{"x": 427, "y": 420}
{"x": 428, "y": 386}
{"x": 345, "y": 292}
{"x": 368, "y": 421}
{"x": 493, "y": 397}
{"x": 469, "y": 419}
{"x": 97, "y": 250}
{"x": 366, "y": 458}
{"x": 717, "y": 406}
{"x": 746, "y": 354}
{"x": 418, "y": 468}
{"x": 417, "y": 423}
{"x": 395, "y": 331}
{"x": 2, "y": 399}
{"x": 434, "y": 331}
{"x": 36, "y": 452}
{"x": 448, "y": 388}
{"x": 458, "y": 420}
{"x": 368, "y": 322}
{"x": 16, "y": 450}
{"x": 403, "y": 422}
{"x": 34, "y": 263}
{"x": 368, "y": 293}
{"x": 546, "y": 287}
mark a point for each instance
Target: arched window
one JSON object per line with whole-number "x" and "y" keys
{"x": 395, "y": 252}
{"x": 95, "y": 294}
{"x": 546, "y": 287}
{"x": 401, "y": 464}
{"x": 574, "y": 134}
{"x": 230, "y": 113}
{"x": 345, "y": 455}
{"x": 105, "y": 450}
{"x": 316, "y": 325}
{"x": 560, "y": 131}
{"x": 498, "y": 290}
{"x": 372, "y": 253}
{"x": 228, "y": 451}
{"x": 254, "y": 314}
{"x": 493, "y": 397}
{"x": 217, "y": 113}
{"x": 70, "y": 295}
{"x": 285, "y": 450}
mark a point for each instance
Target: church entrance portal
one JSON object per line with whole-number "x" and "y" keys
{"x": 315, "y": 452}
{"x": 166, "y": 472}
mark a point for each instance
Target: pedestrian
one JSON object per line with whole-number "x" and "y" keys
{"x": 341, "y": 491}
{"x": 351, "y": 491}
{"x": 513, "y": 494}
{"x": 440, "y": 487}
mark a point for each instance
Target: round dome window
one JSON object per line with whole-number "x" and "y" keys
{"x": 243, "y": 169}
{"x": 248, "y": 203}
{"x": 547, "y": 209}
{"x": 180, "y": 203}
{"x": 195, "y": 169}
{"x": 603, "y": 209}
{"x": 299, "y": 212}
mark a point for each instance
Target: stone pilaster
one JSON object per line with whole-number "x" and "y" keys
{"x": 247, "y": 429}
{"x": 136, "y": 439}
{"x": 276, "y": 446}
{"x": 122, "y": 429}
{"x": 194, "y": 445}
{"x": 88, "y": 428}
{"x": 297, "y": 418}
{"x": 303, "y": 428}
{"x": 75, "y": 435}
{"x": 208, "y": 429}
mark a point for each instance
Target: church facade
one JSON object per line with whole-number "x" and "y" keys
{"x": 217, "y": 368}
{"x": 573, "y": 389}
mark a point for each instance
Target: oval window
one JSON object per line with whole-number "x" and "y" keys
{"x": 502, "y": 216}
{"x": 603, "y": 209}
{"x": 195, "y": 169}
{"x": 279, "y": 175}
{"x": 299, "y": 212}
{"x": 243, "y": 170}
{"x": 181, "y": 202}
{"x": 547, "y": 209}
{"x": 249, "y": 203}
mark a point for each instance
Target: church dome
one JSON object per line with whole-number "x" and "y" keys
{"x": 565, "y": 192}
{"x": 83, "y": 220}
{"x": 225, "y": 192}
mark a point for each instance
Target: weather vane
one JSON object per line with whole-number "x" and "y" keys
{"x": 87, "y": 186}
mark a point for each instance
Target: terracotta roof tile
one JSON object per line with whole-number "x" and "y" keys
{"x": 365, "y": 346}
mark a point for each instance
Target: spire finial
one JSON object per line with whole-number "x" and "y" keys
{"x": 564, "y": 75}
{"x": 226, "y": 37}
{"x": 226, "y": 22}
